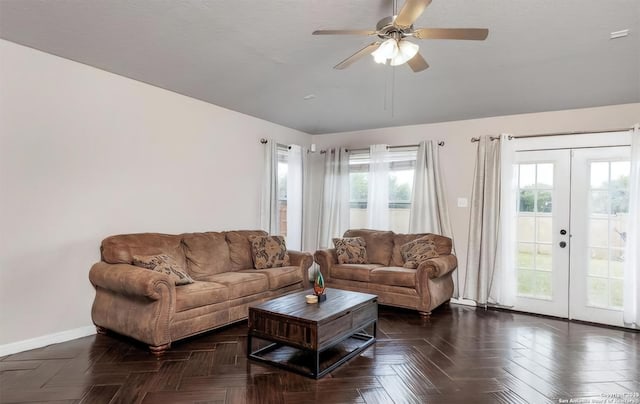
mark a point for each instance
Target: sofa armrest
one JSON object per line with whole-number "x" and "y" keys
{"x": 438, "y": 266}
{"x": 130, "y": 280}
{"x": 304, "y": 260}
{"x": 326, "y": 259}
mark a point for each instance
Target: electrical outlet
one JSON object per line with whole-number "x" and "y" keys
{"x": 463, "y": 202}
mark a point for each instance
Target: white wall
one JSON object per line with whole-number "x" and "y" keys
{"x": 85, "y": 154}
{"x": 458, "y": 155}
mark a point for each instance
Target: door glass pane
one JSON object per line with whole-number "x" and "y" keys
{"x": 600, "y": 202}
{"x": 527, "y": 175}
{"x": 608, "y": 221}
{"x": 599, "y": 262}
{"x": 544, "y": 201}
{"x": 526, "y": 228}
{"x": 535, "y": 234}
{"x": 543, "y": 229}
{"x": 543, "y": 257}
{"x": 527, "y": 201}
{"x": 598, "y": 294}
{"x": 545, "y": 176}
{"x": 599, "y": 175}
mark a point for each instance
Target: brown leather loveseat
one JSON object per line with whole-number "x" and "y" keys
{"x": 149, "y": 307}
{"x": 422, "y": 289}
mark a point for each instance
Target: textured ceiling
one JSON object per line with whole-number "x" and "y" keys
{"x": 259, "y": 57}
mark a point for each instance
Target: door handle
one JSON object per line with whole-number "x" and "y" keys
{"x": 563, "y": 244}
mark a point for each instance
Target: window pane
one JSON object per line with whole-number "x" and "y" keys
{"x": 545, "y": 176}
{"x": 400, "y": 185}
{"x": 616, "y": 265}
{"x": 358, "y": 188}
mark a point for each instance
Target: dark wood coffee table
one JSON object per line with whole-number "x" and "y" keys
{"x": 313, "y": 339}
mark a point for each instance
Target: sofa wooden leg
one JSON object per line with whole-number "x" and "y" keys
{"x": 158, "y": 350}
{"x": 425, "y": 314}
{"x": 101, "y": 330}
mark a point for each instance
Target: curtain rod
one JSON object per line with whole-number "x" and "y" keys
{"x": 477, "y": 139}
{"x": 440, "y": 143}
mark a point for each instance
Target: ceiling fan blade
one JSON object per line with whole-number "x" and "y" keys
{"x": 417, "y": 63}
{"x": 343, "y": 32}
{"x": 409, "y": 13}
{"x": 357, "y": 56}
{"x": 477, "y": 34}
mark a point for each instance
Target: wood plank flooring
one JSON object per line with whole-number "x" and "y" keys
{"x": 459, "y": 355}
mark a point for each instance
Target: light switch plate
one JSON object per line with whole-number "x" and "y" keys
{"x": 463, "y": 202}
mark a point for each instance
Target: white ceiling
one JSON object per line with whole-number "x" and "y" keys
{"x": 259, "y": 57}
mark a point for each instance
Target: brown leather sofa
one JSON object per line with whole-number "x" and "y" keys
{"x": 422, "y": 289}
{"x": 149, "y": 307}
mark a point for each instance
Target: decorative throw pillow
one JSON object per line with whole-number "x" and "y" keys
{"x": 351, "y": 250}
{"x": 417, "y": 251}
{"x": 164, "y": 264}
{"x": 269, "y": 252}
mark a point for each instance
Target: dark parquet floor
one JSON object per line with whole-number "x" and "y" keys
{"x": 459, "y": 355}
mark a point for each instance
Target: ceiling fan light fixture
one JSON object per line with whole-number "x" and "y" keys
{"x": 406, "y": 51}
{"x": 387, "y": 50}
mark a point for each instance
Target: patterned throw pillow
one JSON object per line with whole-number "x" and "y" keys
{"x": 269, "y": 252}
{"x": 417, "y": 251}
{"x": 164, "y": 264}
{"x": 351, "y": 250}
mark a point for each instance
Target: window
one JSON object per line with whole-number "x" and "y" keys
{"x": 401, "y": 168}
{"x": 283, "y": 168}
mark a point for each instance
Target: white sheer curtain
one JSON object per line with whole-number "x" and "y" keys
{"x": 269, "y": 195}
{"x": 334, "y": 214}
{"x": 429, "y": 212}
{"x": 631, "y": 309}
{"x": 490, "y": 276}
{"x": 503, "y": 287}
{"x": 378, "y": 193}
{"x": 295, "y": 172}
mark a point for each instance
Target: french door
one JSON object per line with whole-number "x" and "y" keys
{"x": 572, "y": 210}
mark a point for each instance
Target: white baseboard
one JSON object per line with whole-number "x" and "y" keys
{"x": 45, "y": 340}
{"x": 464, "y": 302}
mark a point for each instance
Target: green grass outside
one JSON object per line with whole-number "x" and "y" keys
{"x": 603, "y": 292}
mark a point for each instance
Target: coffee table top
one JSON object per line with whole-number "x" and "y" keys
{"x": 295, "y": 305}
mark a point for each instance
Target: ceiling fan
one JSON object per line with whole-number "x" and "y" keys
{"x": 393, "y": 47}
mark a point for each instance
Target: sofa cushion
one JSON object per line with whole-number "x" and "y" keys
{"x": 269, "y": 252}
{"x": 379, "y": 244}
{"x": 350, "y": 250}
{"x": 200, "y": 294}
{"x": 353, "y": 272}
{"x": 394, "y": 276}
{"x": 279, "y": 277}
{"x": 165, "y": 265}
{"x": 206, "y": 253}
{"x": 417, "y": 251}
{"x": 120, "y": 249}
{"x": 240, "y": 247}
{"x": 398, "y": 241}
{"x": 240, "y": 284}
